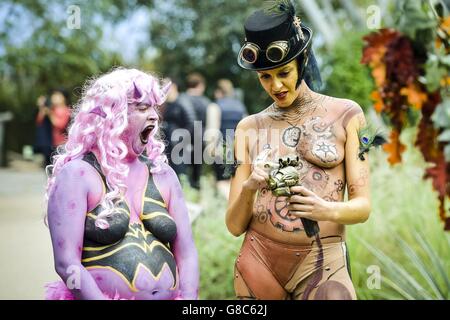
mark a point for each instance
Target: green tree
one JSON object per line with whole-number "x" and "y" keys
{"x": 38, "y": 52}
{"x": 205, "y": 36}
{"x": 348, "y": 78}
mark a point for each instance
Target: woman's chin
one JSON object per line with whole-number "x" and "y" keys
{"x": 140, "y": 151}
{"x": 282, "y": 104}
{"x": 137, "y": 149}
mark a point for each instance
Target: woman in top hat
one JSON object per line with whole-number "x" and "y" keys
{"x": 294, "y": 247}
{"x": 118, "y": 222}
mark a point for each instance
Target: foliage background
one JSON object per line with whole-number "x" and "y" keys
{"x": 38, "y": 53}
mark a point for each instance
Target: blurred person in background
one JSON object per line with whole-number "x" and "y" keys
{"x": 55, "y": 114}
{"x": 178, "y": 117}
{"x": 231, "y": 111}
{"x": 59, "y": 115}
{"x": 196, "y": 86}
{"x": 43, "y": 141}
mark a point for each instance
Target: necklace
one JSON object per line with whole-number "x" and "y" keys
{"x": 292, "y": 125}
{"x": 297, "y": 111}
{"x": 300, "y": 108}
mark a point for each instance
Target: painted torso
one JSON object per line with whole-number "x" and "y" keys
{"x": 318, "y": 139}
{"x": 133, "y": 257}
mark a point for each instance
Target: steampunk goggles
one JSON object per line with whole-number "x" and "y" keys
{"x": 275, "y": 52}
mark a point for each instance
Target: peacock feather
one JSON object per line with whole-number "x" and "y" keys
{"x": 279, "y": 7}
{"x": 369, "y": 138}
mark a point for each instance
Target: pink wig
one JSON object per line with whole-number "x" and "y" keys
{"x": 99, "y": 119}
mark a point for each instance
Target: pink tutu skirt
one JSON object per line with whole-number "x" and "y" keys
{"x": 58, "y": 291}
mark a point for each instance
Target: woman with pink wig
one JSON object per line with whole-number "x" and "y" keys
{"x": 118, "y": 221}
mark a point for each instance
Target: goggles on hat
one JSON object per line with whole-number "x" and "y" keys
{"x": 275, "y": 52}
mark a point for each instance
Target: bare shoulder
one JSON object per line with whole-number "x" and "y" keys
{"x": 78, "y": 173}
{"x": 249, "y": 122}
{"x": 76, "y": 168}
{"x": 354, "y": 114}
{"x": 166, "y": 177}
{"x": 165, "y": 172}
{"x": 347, "y": 110}
{"x": 351, "y": 105}
{"x": 339, "y": 105}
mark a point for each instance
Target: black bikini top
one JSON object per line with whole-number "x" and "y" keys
{"x": 154, "y": 214}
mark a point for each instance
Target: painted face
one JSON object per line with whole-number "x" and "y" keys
{"x": 142, "y": 120}
{"x": 280, "y": 83}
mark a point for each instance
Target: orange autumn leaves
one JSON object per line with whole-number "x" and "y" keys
{"x": 443, "y": 37}
{"x": 443, "y": 32}
{"x": 394, "y": 148}
{"x": 394, "y": 68}
{"x": 374, "y": 52}
{"x": 414, "y": 95}
{"x": 378, "y": 101}
{"x": 397, "y": 63}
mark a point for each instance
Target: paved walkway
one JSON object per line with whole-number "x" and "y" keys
{"x": 25, "y": 247}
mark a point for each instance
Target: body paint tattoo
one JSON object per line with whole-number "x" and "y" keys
{"x": 315, "y": 179}
{"x": 138, "y": 248}
{"x": 301, "y": 107}
{"x": 360, "y": 182}
{"x": 325, "y": 151}
{"x": 321, "y": 138}
{"x": 260, "y": 209}
{"x": 335, "y": 195}
{"x": 274, "y": 209}
{"x": 291, "y": 136}
{"x": 315, "y": 126}
{"x": 279, "y": 215}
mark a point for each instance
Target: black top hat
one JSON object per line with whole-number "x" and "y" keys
{"x": 273, "y": 39}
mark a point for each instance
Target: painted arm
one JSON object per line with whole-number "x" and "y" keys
{"x": 357, "y": 172}
{"x": 67, "y": 209}
{"x": 183, "y": 246}
{"x": 357, "y": 209}
{"x": 244, "y": 184}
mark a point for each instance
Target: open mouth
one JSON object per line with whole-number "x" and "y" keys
{"x": 145, "y": 133}
{"x": 281, "y": 95}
